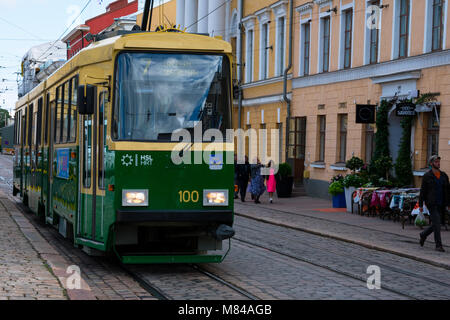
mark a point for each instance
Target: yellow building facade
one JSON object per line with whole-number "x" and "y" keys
{"x": 344, "y": 53}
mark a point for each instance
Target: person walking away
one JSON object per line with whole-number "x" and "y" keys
{"x": 257, "y": 182}
{"x": 271, "y": 182}
{"x": 243, "y": 171}
{"x": 434, "y": 192}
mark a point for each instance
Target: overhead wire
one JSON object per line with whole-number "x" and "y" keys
{"x": 19, "y": 27}
{"x": 60, "y": 37}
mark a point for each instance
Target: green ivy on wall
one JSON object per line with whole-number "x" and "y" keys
{"x": 381, "y": 151}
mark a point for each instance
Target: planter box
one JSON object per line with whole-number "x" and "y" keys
{"x": 348, "y": 198}
{"x": 339, "y": 201}
{"x": 284, "y": 186}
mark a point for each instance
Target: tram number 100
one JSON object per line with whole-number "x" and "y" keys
{"x": 188, "y": 196}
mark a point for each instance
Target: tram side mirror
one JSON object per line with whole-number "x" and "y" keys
{"x": 86, "y": 102}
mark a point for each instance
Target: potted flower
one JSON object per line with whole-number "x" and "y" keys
{"x": 336, "y": 189}
{"x": 350, "y": 183}
{"x": 354, "y": 164}
{"x": 285, "y": 180}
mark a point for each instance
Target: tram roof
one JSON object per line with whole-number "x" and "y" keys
{"x": 103, "y": 50}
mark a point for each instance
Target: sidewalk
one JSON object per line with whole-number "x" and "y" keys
{"x": 317, "y": 216}
{"x": 30, "y": 268}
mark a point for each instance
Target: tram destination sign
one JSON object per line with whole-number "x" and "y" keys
{"x": 405, "y": 109}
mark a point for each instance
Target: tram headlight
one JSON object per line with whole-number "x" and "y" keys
{"x": 134, "y": 198}
{"x": 215, "y": 197}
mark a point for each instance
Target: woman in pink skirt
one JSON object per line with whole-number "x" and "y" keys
{"x": 271, "y": 183}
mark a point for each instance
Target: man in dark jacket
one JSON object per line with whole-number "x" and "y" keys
{"x": 243, "y": 175}
{"x": 435, "y": 192}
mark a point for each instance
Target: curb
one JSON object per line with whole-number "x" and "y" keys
{"x": 56, "y": 264}
{"x": 337, "y": 237}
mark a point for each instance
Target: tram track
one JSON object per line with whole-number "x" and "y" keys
{"x": 366, "y": 261}
{"x": 335, "y": 270}
{"x": 316, "y": 218}
{"x": 168, "y": 291}
{"x": 347, "y": 258}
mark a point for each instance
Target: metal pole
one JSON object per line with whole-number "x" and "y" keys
{"x": 145, "y": 16}
{"x": 151, "y": 14}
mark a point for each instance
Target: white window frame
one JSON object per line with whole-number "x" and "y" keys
{"x": 342, "y": 33}
{"x": 320, "y": 42}
{"x": 396, "y": 30}
{"x": 249, "y": 25}
{"x": 428, "y": 36}
{"x": 264, "y": 19}
{"x": 280, "y": 11}
{"x": 304, "y": 10}
{"x": 367, "y": 35}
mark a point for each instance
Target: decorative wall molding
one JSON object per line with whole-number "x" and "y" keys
{"x": 411, "y": 75}
{"x": 249, "y": 22}
{"x": 414, "y": 63}
{"x": 263, "y": 15}
{"x": 265, "y": 82}
{"x": 280, "y": 8}
{"x": 264, "y": 100}
{"x": 323, "y": 2}
{"x": 305, "y": 8}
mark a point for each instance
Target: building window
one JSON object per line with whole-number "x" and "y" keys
{"x": 264, "y": 47}
{"x": 374, "y": 37}
{"x": 249, "y": 56}
{"x": 404, "y": 29}
{"x": 348, "y": 20}
{"x": 369, "y": 142}
{"x": 438, "y": 25}
{"x": 297, "y": 138}
{"x": 433, "y": 134}
{"x": 325, "y": 45}
{"x": 342, "y": 137}
{"x": 281, "y": 45}
{"x": 305, "y": 50}
{"x": 322, "y": 133}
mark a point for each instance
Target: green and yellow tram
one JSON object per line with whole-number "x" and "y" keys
{"x": 94, "y": 148}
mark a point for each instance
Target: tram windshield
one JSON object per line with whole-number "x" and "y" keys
{"x": 157, "y": 94}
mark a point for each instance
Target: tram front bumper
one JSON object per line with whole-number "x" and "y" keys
{"x": 200, "y": 216}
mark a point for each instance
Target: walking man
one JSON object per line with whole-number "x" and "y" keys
{"x": 435, "y": 193}
{"x": 243, "y": 172}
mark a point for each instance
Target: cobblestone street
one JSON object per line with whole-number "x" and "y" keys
{"x": 293, "y": 249}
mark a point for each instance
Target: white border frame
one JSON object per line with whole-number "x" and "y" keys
{"x": 303, "y": 10}
{"x": 367, "y": 33}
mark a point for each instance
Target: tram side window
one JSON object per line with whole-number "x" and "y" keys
{"x": 22, "y": 129}
{"x": 47, "y": 117}
{"x": 101, "y": 139}
{"x": 39, "y": 122}
{"x": 57, "y": 124}
{"x": 73, "y": 110}
{"x": 34, "y": 129}
{"x": 87, "y": 150}
{"x": 65, "y": 112}
{"x": 30, "y": 124}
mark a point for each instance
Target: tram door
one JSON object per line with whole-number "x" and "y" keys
{"x": 90, "y": 218}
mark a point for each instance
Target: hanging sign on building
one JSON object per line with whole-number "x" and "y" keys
{"x": 405, "y": 109}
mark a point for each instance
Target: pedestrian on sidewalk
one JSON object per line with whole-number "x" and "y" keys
{"x": 257, "y": 182}
{"x": 243, "y": 176}
{"x": 271, "y": 182}
{"x": 434, "y": 192}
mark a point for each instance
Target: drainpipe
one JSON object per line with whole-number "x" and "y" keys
{"x": 239, "y": 60}
{"x": 285, "y": 97}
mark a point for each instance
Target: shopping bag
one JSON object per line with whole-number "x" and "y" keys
{"x": 416, "y": 210}
{"x": 420, "y": 220}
